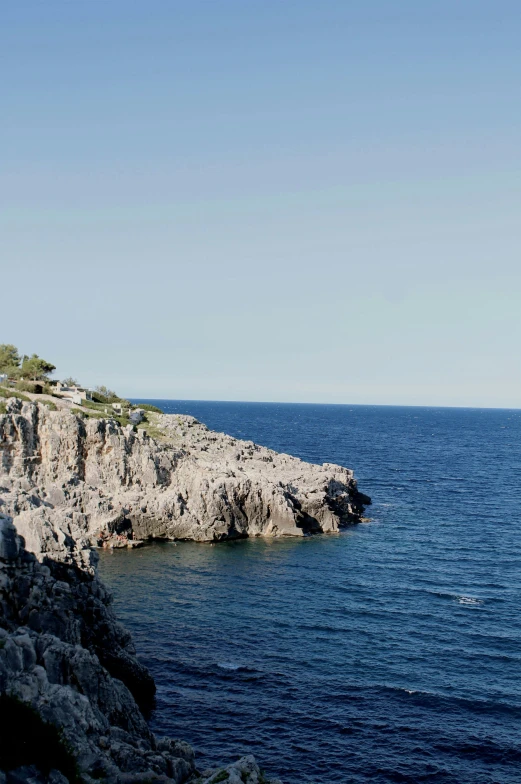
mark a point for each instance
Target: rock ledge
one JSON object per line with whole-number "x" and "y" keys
{"x": 93, "y": 482}
{"x": 71, "y": 483}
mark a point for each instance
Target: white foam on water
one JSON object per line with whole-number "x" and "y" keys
{"x": 469, "y": 600}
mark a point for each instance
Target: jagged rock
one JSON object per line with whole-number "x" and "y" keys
{"x": 244, "y": 771}
{"x": 71, "y": 483}
{"x": 56, "y": 624}
{"x": 70, "y": 603}
{"x": 93, "y": 482}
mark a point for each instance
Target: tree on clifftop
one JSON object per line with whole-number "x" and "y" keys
{"x": 36, "y": 368}
{"x": 70, "y": 382}
{"x": 106, "y": 393}
{"x": 9, "y": 358}
{"x": 32, "y": 368}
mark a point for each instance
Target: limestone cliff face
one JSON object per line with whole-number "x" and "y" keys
{"x": 63, "y": 653}
{"x": 64, "y": 656}
{"x": 70, "y": 483}
{"x": 95, "y": 483}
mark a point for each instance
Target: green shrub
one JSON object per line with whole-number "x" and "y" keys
{"x": 2, "y": 407}
{"x": 5, "y": 392}
{"x": 97, "y": 398}
{"x": 108, "y": 400}
{"x": 148, "y": 407}
{"x": 34, "y": 386}
{"x": 88, "y": 413}
{"x": 108, "y": 395}
{"x": 223, "y": 775}
{"x": 25, "y": 386}
{"x": 104, "y": 395}
{"x": 9, "y": 358}
{"x": 29, "y": 740}
{"x": 123, "y": 420}
{"x": 97, "y": 406}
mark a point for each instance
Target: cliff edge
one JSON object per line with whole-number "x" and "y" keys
{"x": 68, "y": 682}
{"x": 101, "y": 484}
{"x": 71, "y": 686}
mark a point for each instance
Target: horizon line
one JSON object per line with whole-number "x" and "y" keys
{"x": 305, "y": 403}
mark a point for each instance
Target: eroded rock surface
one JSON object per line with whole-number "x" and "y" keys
{"x": 93, "y": 482}
{"x": 244, "y": 771}
{"x": 70, "y": 483}
{"x": 63, "y": 652}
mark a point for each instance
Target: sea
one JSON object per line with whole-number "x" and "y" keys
{"x": 387, "y": 653}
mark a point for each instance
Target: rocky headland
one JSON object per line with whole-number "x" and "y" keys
{"x": 70, "y": 484}
{"x": 63, "y": 476}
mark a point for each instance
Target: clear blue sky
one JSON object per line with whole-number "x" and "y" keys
{"x": 283, "y": 200}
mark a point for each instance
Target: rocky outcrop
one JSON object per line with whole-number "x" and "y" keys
{"x": 70, "y": 483}
{"x": 56, "y": 629}
{"x": 93, "y": 482}
{"x": 64, "y": 656}
{"x": 72, "y": 604}
{"x": 245, "y": 771}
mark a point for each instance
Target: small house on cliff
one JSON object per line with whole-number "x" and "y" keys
{"x": 73, "y": 393}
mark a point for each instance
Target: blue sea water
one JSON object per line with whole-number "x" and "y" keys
{"x": 388, "y": 653}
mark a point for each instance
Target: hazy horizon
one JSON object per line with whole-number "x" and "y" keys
{"x": 142, "y": 399}
{"x": 295, "y": 202}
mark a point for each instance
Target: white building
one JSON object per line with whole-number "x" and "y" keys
{"x": 76, "y": 394}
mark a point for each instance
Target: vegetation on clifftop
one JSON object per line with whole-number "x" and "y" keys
{"x": 31, "y": 374}
{"x": 6, "y": 393}
{"x": 150, "y": 407}
{"x": 33, "y": 367}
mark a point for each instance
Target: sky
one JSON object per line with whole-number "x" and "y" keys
{"x": 279, "y": 200}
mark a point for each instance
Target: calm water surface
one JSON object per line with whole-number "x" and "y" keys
{"x": 388, "y": 653}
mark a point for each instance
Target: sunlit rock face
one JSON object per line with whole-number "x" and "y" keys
{"x": 71, "y": 483}
{"x": 94, "y": 482}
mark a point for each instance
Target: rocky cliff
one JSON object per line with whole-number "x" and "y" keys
{"x": 68, "y": 674}
{"x": 70, "y": 682}
{"x": 91, "y": 480}
{"x": 63, "y": 653}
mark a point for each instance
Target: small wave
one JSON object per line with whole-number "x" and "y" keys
{"x": 234, "y": 667}
{"x": 470, "y": 601}
{"x": 229, "y": 666}
{"x": 447, "y": 703}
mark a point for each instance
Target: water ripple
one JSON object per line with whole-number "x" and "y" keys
{"x": 389, "y": 653}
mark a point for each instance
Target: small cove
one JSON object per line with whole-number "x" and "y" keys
{"x": 387, "y": 653}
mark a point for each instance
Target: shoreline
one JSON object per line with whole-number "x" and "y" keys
{"x": 69, "y": 483}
